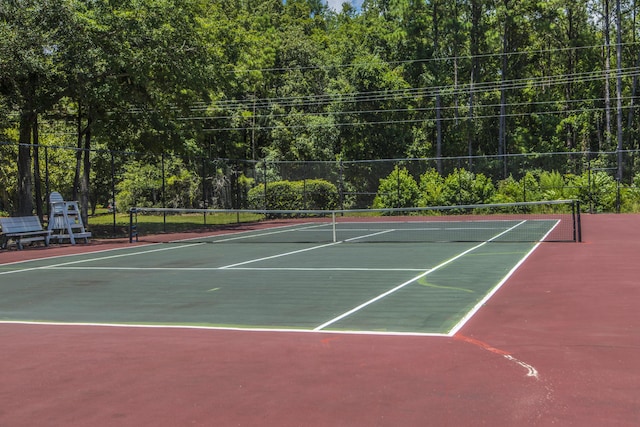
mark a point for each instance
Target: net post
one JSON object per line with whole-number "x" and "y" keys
{"x": 333, "y": 225}
{"x": 133, "y": 225}
{"x": 577, "y": 222}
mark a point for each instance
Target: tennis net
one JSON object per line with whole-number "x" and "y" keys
{"x": 557, "y": 221}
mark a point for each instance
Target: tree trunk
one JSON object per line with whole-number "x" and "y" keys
{"x": 436, "y": 49}
{"x": 78, "y": 171}
{"x": 607, "y": 67}
{"x": 502, "y": 128}
{"x": 619, "y": 86}
{"x": 632, "y": 107}
{"x": 86, "y": 169}
{"x": 570, "y": 141}
{"x": 36, "y": 170}
{"x": 476, "y": 12}
{"x": 25, "y": 183}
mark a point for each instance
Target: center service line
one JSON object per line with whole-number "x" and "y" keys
{"x": 232, "y": 266}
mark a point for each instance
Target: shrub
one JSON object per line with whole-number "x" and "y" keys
{"x": 630, "y": 199}
{"x": 530, "y": 187}
{"x": 398, "y": 190}
{"x": 630, "y": 196}
{"x": 431, "y": 189}
{"x": 320, "y": 194}
{"x": 294, "y": 195}
{"x": 509, "y": 191}
{"x": 598, "y": 191}
{"x": 142, "y": 186}
{"x": 552, "y": 186}
{"x": 465, "y": 188}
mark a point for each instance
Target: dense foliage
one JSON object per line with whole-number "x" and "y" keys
{"x": 597, "y": 191}
{"x": 294, "y": 80}
{"x": 288, "y": 195}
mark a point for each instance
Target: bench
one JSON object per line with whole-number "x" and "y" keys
{"x": 23, "y": 229}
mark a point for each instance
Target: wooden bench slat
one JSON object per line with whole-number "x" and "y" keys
{"x": 23, "y": 229}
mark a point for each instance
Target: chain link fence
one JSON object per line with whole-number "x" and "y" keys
{"x": 119, "y": 180}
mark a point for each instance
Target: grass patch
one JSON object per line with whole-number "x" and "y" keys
{"x": 103, "y": 225}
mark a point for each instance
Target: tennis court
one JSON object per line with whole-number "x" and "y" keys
{"x": 389, "y": 275}
{"x": 554, "y": 346}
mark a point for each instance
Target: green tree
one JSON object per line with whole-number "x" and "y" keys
{"x": 32, "y": 78}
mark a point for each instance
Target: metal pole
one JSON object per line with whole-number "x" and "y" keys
{"x": 204, "y": 191}
{"x": 265, "y": 185}
{"x": 164, "y": 214}
{"x": 113, "y": 193}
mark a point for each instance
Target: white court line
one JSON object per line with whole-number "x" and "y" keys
{"x": 369, "y": 235}
{"x": 250, "y": 236}
{"x": 231, "y": 266}
{"x": 325, "y": 269}
{"x": 424, "y": 228}
{"x": 219, "y": 328}
{"x": 481, "y": 303}
{"x": 25, "y": 261}
{"x": 408, "y": 282}
{"x": 95, "y": 259}
{"x": 234, "y": 268}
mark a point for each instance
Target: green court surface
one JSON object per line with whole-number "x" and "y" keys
{"x": 410, "y": 287}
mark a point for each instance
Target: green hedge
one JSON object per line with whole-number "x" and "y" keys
{"x": 294, "y": 195}
{"x": 597, "y": 191}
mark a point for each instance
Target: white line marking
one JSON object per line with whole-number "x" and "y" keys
{"x": 369, "y": 235}
{"x": 73, "y": 255}
{"x": 247, "y": 233}
{"x": 408, "y": 282}
{"x": 486, "y": 298}
{"x": 223, "y": 328}
{"x": 233, "y": 268}
{"x": 96, "y": 259}
{"x": 250, "y": 236}
{"x": 325, "y": 269}
{"x": 277, "y": 255}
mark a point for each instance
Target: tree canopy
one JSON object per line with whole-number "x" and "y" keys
{"x": 295, "y": 80}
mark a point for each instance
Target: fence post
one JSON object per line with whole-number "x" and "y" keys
{"x": 459, "y": 183}
{"x": 590, "y": 192}
{"x": 204, "y": 190}
{"x": 399, "y": 191}
{"x": 265, "y": 184}
{"x": 113, "y": 192}
{"x": 341, "y": 183}
{"x": 46, "y": 177}
{"x": 164, "y": 199}
{"x": 618, "y": 200}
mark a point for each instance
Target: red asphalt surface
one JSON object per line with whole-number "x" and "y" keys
{"x": 557, "y": 345}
